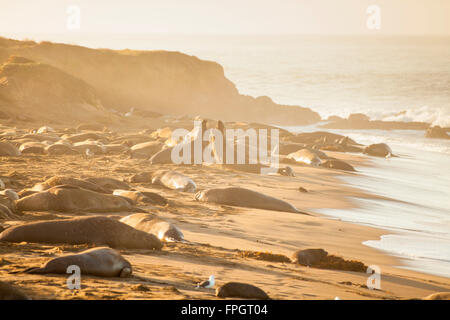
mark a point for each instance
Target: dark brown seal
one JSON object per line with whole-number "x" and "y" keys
{"x": 241, "y": 290}
{"x": 99, "y": 231}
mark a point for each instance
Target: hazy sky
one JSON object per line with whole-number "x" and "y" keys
{"x": 226, "y": 16}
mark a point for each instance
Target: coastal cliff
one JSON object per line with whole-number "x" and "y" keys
{"x": 158, "y": 81}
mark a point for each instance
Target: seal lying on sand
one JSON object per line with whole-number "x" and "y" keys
{"x": 378, "y": 150}
{"x": 9, "y": 292}
{"x": 108, "y": 184}
{"x": 99, "y": 231}
{"x": 102, "y": 262}
{"x": 8, "y": 149}
{"x": 241, "y": 197}
{"x": 72, "y": 199}
{"x": 141, "y": 196}
{"x": 174, "y": 180}
{"x": 306, "y": 156}
{"x": 338, "y": 164}
{"x": 308, "y": 257}
{"x": 241, "y": 290}
{"x": 61, "y": 180}
{"x": 161, "y": 228}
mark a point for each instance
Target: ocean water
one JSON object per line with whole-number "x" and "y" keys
{"x": 387, "y": 78}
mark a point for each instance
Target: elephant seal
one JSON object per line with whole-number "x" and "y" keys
{"x": 62, "y": 180}
{"x": 146, "y": 150}
{"x": 9, "y": 150}
{"x": 99, "y": 231}
{"x": 66, "y": 198}
{"x": 338, "y": 164}
{"x": 161, "y": 228}
{"x": 108, "y": 184}
{"x": 9, "y": 292}
{"x": 9, "y": 193}
{"x": 2, "y": 184}
{"x": 142, "y": 197}
{"x": 378, "y": 150}
{"x": 6, "y": 213}
{"x": 32, "y": 148}
{"x": 58, "y": 149}
{"x": 306, "y": 156}
{"x": 308, "y": 257}
{"x": 102, "y": 262}
{"x": 174, "y": 180}
{"x": 162, "y": 157}
{"x": 241, "y": 290}
{"x": 240, "y": 197}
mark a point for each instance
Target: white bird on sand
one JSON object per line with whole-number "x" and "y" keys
{"x": 89, "y": 153}
{"x": 129, "y": 113}
{"x": 206, "y": 284}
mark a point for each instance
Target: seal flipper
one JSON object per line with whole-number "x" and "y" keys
{"x": 35, "y": 270}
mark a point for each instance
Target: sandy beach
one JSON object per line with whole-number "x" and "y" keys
{"x": 217, "y": 236}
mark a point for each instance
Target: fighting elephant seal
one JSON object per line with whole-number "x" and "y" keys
{"x": 240, "y": 197}
{"x": 102, "y": 262}
{"x": 9, "y": 292}
{"x": 308, "y": 257}
{"x": 378, "y": 150}
{"x": 306, "y": 156}
{"x": 241, "y": 290}
{"x": 161, "y": 228}
{"x": 174, "y": 180}
{"x": 72, "y": 199}
{"x": 100, "y": 231}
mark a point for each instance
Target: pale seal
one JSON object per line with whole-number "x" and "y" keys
{"x": 161, "y": 228}
{"x": 174, "y": 180}
{"x": 102, "y": 262}
{"x": 240, "y": 197}
{"x": 306, "y": 156}
{"x": 99, "y": 231}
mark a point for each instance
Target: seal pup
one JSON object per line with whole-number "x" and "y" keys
{"x": 161, "y": 228}
{"x": 66, "y": 198}
{"x": 206, "y": 284}
{"x": 102, "y": 262}
{"x": 174, "y": 180}
{"x": 241, "y": 197}
{"x": 9, "y": 292}
{"x": 99, "y": 231}
{"x": 241, "y": 290}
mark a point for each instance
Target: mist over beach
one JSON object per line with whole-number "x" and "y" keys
{"x": 357, "y": 93}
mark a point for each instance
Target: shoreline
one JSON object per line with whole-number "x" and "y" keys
{"x": 214, "y": 232}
